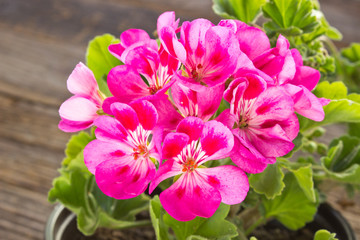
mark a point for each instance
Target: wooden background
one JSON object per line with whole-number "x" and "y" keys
{"x": 40, "y": 43}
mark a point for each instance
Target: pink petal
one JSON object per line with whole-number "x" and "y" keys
{"x": 174, "y": 144}
{"x": 116, "y": 50}
{"x": 184, "y": 98}
{"x": 271, "y": 142}
{"x": 124, "y": 177}
{"x": 168, "y": 116}
{"x": 191, "y": 126}
{"x": 306, "y": 76}
{"x": 216, "y": 140}
{"x": 167, "y": 19}
{"x": 209, "y": 101}
{"x": 108, "y": 128}
{"x": 146, "y": 113}
{"x": 132, "y": 36}
{"x": 189, "y": 197}
{"x": 247, "y": 157}
{"x": 314, "y": 110}
{"x": 256, "y": 85}
{"x": 236, "y": 87}
{"x": 73, "y": 126}
{"x": 169, "y": 41}
{"x": 125, "y": 115}
{"x": 274, "y": 103}
{"x": 107, "y": 103}
{"x": 168, "y": 169}
{"x": 230, "y": 181}
{"x": 288, "y": 70}
{"x": 226, "y": 118}
{"x": 253, "y": 41}
{"x": 82, "y": 81}
{"x": 79, "y": 109}
{"x": 193, "y": 33}
{"x": 126, "y": 84}
{"x": 98, "y": 151}
{"x": 145, "y": 60}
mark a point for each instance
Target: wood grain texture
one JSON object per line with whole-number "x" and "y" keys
{"x": 40, "y": 43}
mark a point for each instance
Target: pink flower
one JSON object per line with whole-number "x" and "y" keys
{"x": 208, "y": 53}
{"x": 156, "y": 66}
{"x": 252, "y": 41}
{"x": 129, "y": 40}
{"x": 80, "y": 111}
{"x": 198, "y": 191}
{"x": 285, "y": 66}
{"x": 262, "y": 120}
{"x": 121, "y": 158}
{"x": 202, "y": 104}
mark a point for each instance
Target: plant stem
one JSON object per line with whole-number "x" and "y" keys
{"x": 260, "y": 221}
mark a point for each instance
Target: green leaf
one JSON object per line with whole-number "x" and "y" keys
{"x": 290, "y": 17}
{"x": 352, "y": 54}
{"x": 157, "y": 214}
{"x": 323, "y": 29}
{"x": 342, "y": 107}
{"x": 215, "y": 227}
{"x": 292, "y": 208}
{"x": 304, "y": 176}
{"x": 100, "y": 60}
{"x": 354, "y": 129}
{"x": 324, "y": 235}
{"x": 269, "y": 182}
{"x": 244, "y": 10}
{"x": 349, "y": 67}
{"x": 343, "y": 160}
{"x": 75, "y": 145}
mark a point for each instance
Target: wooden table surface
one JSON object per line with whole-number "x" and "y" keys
{"x": 40, "y": 43}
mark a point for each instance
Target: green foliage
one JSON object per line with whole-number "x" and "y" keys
{"x": 244, "y": 10}
{"x": 269, "y": 182}
{"x": 349, "y": 66}
{"x": 324, "y": 235}
{"x": 75, "y": 145}
{"x": 304, "y": 176}
{"x": 215, "y": 227}
{"x": 342, "y": 108}
{"x": 292, "y": 208}
{"x": 157, "y": 219}
{"x": 314, "y": 53}
{"x": 290, "y": 17}
{"x": 354, "y": 129}
{"x": 343, "y": 160}
{"x": 352, "y": 54}
{"x": 76, "y": 189}
{"x": 100, "y": 60}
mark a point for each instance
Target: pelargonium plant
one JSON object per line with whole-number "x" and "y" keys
{"x": 200, "y": 125}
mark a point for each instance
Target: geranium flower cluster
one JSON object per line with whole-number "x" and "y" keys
{"x": 163, "y": 119}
